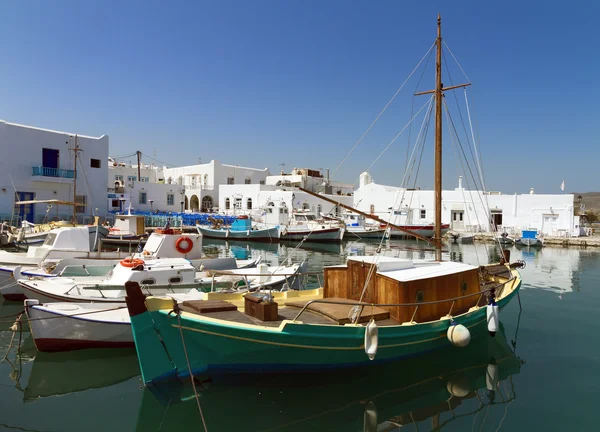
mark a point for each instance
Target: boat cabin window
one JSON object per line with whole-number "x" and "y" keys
{"x": 423, "y": 214}
{"x": 174, "y": 280}
{"x": 50, "y": 238}
{"x": 148, "y": 282}
{"x": 310, "y": 217}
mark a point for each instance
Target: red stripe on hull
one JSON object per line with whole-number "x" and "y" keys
{"x": 55, "y": 345}
{"x": 14, "y": 297}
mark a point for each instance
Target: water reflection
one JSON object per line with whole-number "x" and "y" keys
{"x": 454, "y": 382}
{"x": 62, "y": 373}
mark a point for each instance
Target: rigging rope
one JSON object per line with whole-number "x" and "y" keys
{"x": 382, "y": 111}
{"x": 400, "y": 133}
{"x": 452, "y": 54}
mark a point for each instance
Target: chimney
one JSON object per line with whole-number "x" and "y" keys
{"x": 460, "y": 182}
{"x": 530, "y": 191}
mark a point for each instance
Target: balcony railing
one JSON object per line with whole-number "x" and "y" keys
{"x": 53, "y": 172}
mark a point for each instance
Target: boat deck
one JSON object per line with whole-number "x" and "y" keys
{"x": 317, "y": 313}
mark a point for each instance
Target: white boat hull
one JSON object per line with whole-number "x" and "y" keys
{"x": 326, "y": 234}
{"x": 72, "y": 326}
{"x": 422, "y": 230}
{"x": 352, "y": 233}
{"x": 266, "y": 234}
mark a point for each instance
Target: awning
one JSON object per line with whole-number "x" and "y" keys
{"x": 52, "y": 201}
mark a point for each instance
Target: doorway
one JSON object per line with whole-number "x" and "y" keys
{"x": 457, "y": 219}
{"x": 26, "y": 212}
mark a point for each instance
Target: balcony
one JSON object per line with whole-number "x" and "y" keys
{"x": 52, "y": 174}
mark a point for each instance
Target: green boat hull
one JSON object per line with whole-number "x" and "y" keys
{"x": 214, "y": 345}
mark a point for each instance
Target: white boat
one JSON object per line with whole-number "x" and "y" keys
{"x": 530, "y": 237}
{"x": 72, "y": 326}
{"x": 357, "y": 228}
{"x": 60, "y": 243}
{"x": 165, "y": 276}
{"x": 240, "y": 229}
{"x": 66, "y": 243}
{"x": 68, "y": 326}
{"x": 301, "y": 225}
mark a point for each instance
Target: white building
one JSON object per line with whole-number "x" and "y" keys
{"x": 39, "y": 164}
{"x": 470, "y": 210}
{"x": 188, "y": 188}
{"x": 311, "y": 180}
{"x": 252, "y": 199}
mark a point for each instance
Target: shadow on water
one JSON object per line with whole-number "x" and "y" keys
{"x": 369, "y": 399}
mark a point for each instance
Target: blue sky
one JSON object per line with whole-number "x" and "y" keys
{"x": 262, "y": 83}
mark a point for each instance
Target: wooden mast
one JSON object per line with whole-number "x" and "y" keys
{"x": 438, "y": 142}
{"x": 439, "y": 94}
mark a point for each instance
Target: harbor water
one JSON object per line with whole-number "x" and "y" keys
{"x": 540, "y": 372}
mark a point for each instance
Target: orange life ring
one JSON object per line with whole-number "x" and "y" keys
{"x": 189, "y": 244}
{"x": 131, "y": 262}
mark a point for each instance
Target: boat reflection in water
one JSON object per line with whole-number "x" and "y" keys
{"x": 61, "y": 373}
{"x": 369, "y": 399}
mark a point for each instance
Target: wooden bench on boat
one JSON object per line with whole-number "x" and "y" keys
{"x": 206, "y": 306}
{"x": 340, "y": 313}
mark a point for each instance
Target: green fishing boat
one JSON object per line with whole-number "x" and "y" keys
{"x": 467, "y": 382}
{"x": 374, "y": 309}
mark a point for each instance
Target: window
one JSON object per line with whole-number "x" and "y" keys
{"x": 143, "y": 197}
{"x": 118, "y": 178}
{"x": 148, "y": 282}
{"x": 170, "y": 180}
{"x": 170, "y": 199}
{"x": 319, "y": 210}
{"x": 305, "y": 206}
{"x": 227, "y": 204}
{"x": 95, "y": 163}
{"x": 176, "y": 279}
{"x": 81, "y": 199}
{"x": 145, "y": 179}
{"x": 238, "y": 203}
{"x": 248, "y": 180}
{"x": 131, "y": 179}
{"x": 180, "y": 181}
{"x": 423, "y": 214}
{"x": 230, "y": 180}
{"x": 249, "y": 203}
{"x": 114, "y": 203}
{"x": 262, "y": 182}
{"x": 205, "y": 180}
{"x": 372, "y": 209}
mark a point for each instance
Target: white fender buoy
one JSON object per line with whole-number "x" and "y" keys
{"x": 458, "y": 335}
{"x": 371, "y": 339}
{"x": 491, "y": 377}
{"x": 493, "y": 318}
{"x": 458, "y": 386}
{"x": 370, "y": 418}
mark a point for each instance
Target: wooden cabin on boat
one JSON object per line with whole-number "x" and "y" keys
{"x": 395, "y": 281}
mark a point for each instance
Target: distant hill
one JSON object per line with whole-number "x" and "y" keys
{"x": 591, "y": 200}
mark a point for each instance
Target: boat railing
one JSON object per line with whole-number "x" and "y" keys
{"x": 362, "y": 305}
{"x": 290, "y": 278}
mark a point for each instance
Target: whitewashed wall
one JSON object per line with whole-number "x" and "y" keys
{"x": 551, "y": 214}
{"x": 21, "y": 148}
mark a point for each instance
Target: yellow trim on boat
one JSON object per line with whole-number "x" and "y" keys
{"x": 311, "y": 346}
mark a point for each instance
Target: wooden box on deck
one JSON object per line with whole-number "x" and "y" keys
{"x": 348, "y": 282}
{"x": 256, "y": 307}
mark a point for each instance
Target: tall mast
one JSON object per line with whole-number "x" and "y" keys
{"x": 439, "y": 94}
{"x": 438, "y": 143}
